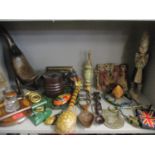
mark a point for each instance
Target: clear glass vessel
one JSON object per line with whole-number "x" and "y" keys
{"x": 11, "y": 102}
{"x": 113, "y": 118}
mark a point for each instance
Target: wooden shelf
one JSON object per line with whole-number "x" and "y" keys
{"x": 28, "y": 128}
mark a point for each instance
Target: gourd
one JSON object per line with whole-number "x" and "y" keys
{"x": 66, "y": 122}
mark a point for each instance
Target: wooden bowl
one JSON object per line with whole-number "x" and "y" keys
{"x": 86, "y": 118}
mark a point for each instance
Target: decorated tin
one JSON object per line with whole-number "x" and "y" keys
{"x": 62, "y": 99}
{"x": 39, "y": 117}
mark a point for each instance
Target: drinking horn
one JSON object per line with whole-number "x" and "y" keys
{"x": 14, "y": 83}
{"x": 20, "y": 64}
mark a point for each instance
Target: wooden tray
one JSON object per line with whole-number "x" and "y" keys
{"x": 8, "y": 119}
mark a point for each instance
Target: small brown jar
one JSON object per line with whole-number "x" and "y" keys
{"x": 53, "y": 83}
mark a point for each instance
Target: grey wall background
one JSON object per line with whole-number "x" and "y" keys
{"x": 63, "y": 45}
{"x": 50, "y": 48}
{"x": 48, "y": 43}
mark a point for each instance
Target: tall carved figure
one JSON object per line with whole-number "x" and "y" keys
{"x": 141, "y": 60}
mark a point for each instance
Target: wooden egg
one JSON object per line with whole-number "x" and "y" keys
{"x": 118, "y": 92}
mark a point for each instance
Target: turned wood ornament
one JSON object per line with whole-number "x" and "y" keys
{"x": 88, "y": 73}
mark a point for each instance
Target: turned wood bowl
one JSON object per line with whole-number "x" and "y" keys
{"x": 86, "y": 118}
{"x": 53, "y": 83}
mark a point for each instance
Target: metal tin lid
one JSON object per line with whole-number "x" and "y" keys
{"x": 53, "y": 76}
{"x": 10, "y": 94}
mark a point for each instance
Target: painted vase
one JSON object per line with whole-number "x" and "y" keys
{"x": 88, "y": 73}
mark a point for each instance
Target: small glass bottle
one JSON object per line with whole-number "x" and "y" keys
{"x": 11, "y": 102}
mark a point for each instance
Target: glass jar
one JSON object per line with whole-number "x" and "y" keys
{"x": 11, "y": 102}
{"x": 112, "y": 118}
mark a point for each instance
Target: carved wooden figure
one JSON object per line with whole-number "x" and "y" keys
{"x": 141, "y": 60}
